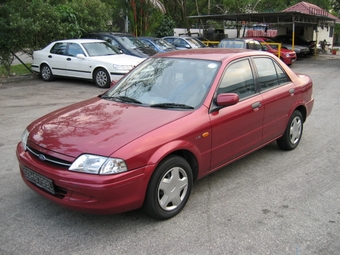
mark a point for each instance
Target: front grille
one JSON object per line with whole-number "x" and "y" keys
{"x": 48, "y": 158}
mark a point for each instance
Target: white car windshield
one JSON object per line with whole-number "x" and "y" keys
{"x": 166, "y": 83}
{"x": 95, "y": 49}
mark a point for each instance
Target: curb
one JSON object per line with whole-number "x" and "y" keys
{"x": 18, "y": 78}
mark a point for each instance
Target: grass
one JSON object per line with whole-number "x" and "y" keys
{"x": 15, "y": 70}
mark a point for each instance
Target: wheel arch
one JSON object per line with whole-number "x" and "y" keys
{"x": 100, "y": 67}
{"x": 190, "y": 155}
{"x": 303, "y": 110}
{"x": 42, "y": 64}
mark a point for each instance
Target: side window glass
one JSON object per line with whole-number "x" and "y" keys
{"x": 270, "y": 74}
{"x": 282, "y": 76}
{"x": 59, "y": 48}
{"x": 111, "y": 41}
{"x": 238, "y": 78}
{"x": 267, "y": 73}
{"x": 148, "y": 44}
{"x": 74, "y": 49}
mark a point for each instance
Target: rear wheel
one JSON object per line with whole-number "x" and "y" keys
{"x": 46, "y": 73}
{"x": 102, "y": 78}
{"x": 292, "y": 136}
{"x": 169, "y": 188}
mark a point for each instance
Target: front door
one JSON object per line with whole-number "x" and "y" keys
{"x": 237, "y": 129}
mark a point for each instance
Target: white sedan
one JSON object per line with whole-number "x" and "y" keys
{"x": 89, "y": 59}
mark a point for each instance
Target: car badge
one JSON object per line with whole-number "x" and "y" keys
{"x": 42, "y": 157}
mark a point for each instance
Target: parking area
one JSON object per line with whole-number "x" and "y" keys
{"x": 270, "y": 202}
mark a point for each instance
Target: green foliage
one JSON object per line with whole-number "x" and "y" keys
{"x": 30, "y": 25}
{"x": 166, "y": 27}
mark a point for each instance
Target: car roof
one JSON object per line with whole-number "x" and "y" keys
{"x": 80, "y": 40}
{"x": 149, "y": 38}
{"x": 113, "y": 33}
{"x": 215, "y": 54}
{"x": 237, "y": 39}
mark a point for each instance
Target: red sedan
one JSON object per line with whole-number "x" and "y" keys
{"x": 287, "y": 56}
{"x": 175, "y": 118}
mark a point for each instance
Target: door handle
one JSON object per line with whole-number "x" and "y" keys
{"x": 292, "y": 91}
{"x": 49, "y": 56}
{"x": 256, "y": 105}
{"x": 68, "y": 59}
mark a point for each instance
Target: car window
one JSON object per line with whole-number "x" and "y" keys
{"x": 181, "y": 43}
{"x": 239, "y": 79}
{"x": 73, "y": 49}
{"x": 148, "y": 44}
{"x": 112, "y": 41}
{"x": 231, "y": 44}
{"x": 270, "y": 74}
{"x": 59, "y": 48}
{"x": 100, "y": 49}
{"x": 168, "y": 81}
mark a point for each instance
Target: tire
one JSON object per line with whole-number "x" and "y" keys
{"x": 46, "y": 73}
{"x": 169, "y": 188}
{"x": 293, "y": 133}
{"x": 102, "y": 78}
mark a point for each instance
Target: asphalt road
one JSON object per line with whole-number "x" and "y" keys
{"x": 271, "y": 202}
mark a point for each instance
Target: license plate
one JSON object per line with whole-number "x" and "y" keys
{"x": 39, "y": 180}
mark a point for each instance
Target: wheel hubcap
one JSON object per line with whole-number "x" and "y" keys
{"x": 172, "y": 188}
{"x": 101, "y": 78}
{"x": 295, "y": 130}
{"x": 46, "y": 73}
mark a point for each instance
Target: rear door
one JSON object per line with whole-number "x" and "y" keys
{"x": 57, "y": 58}
{"x": 279, "y": 94}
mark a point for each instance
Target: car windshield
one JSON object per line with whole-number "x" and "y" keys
{"x": 232, "y": 44}
{"x": 130, "y": 42}
{"x": 273, "y": 46}
{"x": 195, "y": 42}
{"x": 95, "y": 49}
{"x": 163, "y": 44}
{"x": 168, "y": 83}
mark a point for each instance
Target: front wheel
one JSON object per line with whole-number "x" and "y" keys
{"x": 102, "y": 78}
{"x": 293, "y": 133}
{"x": 169, "y": 188}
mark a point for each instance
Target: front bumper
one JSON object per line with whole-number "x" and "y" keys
{"x": 102, "y": 194}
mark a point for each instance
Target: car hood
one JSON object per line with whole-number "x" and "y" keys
{"x": 142, "y": 52}
{"x": 97, "y": 126}
{"x": 120, "y": 59}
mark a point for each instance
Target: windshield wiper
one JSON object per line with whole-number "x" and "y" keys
{"x": 172, "y": 105}
{"x": 122, "y": 99}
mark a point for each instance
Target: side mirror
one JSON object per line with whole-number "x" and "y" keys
{"x": 227, "y": 99}
{"x": 81, "y": 56}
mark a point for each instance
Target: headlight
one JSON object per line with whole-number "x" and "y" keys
{"x": 24, "y": 138}
{"x": 93, "y": 164}
{"x": 287, "y": 55}
{"x": 123, "y": 67}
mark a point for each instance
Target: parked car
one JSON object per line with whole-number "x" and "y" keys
{"x": 158, "y": 44}
{"x": 185, "y": 42}
{"x": 89, "y": 59}
{"x": 287, "y": 56}
{"x": 143, "y": 142}
{"x": 125, "y": 42}
{"x": 240, "y": 43}
{"x": 302, "y": 47}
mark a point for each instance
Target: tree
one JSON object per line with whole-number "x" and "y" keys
{"x": 30, "y": 25}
